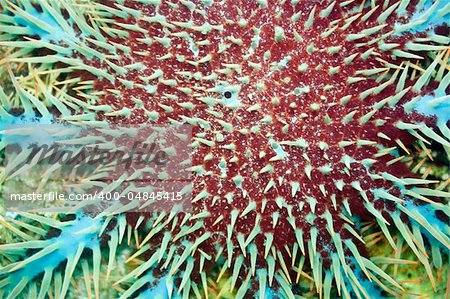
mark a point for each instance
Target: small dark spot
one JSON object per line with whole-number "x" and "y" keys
{"x": 38, "y": 8}
{"x": 53, "y": 233}
{"x": 442, "y": 30}
{"x": 383, "y": 294}
{"x": 16, "y": 111}
{"x": 68, "y": 217}
{"x": 227, "y": 94}
{"x": 440, "y": 215}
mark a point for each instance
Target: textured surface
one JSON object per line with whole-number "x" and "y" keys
{"x": 303, "y": 112}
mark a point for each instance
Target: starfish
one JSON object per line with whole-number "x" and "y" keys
{"x": 302, "y": 115}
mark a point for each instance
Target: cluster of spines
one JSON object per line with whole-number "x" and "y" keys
{"x": 400, "y": 72}
{"x": 75, "y": 237}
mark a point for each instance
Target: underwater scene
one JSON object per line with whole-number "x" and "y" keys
{"x": 251, "y": 149}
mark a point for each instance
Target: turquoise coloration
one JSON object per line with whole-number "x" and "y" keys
{"x": 68, "y": 241}
{"x": 283, "y": 63}
{"x": 278, "y": 149}
{"x": 16, "y": 122}
{"x": 58, "y": 34}
{"x": 427, "y": 16}
{"x": 229, "y": 95}
{"x": 159, "y": 291}
{"x": 123, "y": 44}
{"x": 368, "y": 285}
{"x": 428, "y": 105}
{"x": 26, "y": 131}
{"x": 25, "y": 120}
{"x": 270, "y": 294}
{"x": 233, "y": 101}
{"x": 429, "y": 213}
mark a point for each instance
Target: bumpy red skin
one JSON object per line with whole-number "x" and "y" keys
{"x": 311, "y": 128}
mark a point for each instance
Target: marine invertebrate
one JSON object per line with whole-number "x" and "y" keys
{"x": 83, "y": 233}
{"x": 302, "y": 113}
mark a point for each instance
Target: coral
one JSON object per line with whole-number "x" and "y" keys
{"x": 303, "y": 116}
